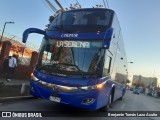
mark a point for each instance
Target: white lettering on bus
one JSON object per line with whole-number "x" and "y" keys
{"x": 69, "y": 35}
{"x": 73, "y": 44}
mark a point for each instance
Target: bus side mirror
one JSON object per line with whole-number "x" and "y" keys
{"x": 107, "y": 38}
{"x": 31, "y": 30}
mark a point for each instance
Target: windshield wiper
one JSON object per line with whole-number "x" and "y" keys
{"x": 66, "y": 64}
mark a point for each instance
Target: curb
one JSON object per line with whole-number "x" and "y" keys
{"x": 7, "y": 99}
{"x": 157, "y": 97}
{"x": 153, "y": 96}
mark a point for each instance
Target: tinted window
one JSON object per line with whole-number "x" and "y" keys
{"x": 83, "y": 20}
{"x": 71, "y": 57}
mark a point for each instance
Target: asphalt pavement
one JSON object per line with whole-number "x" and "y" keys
{"x": 14, "y": 82}
{"x": 131, "y": 102}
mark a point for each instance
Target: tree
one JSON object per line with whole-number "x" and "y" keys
{"x": 128, "y": 81}
{"x": 137, "y": 83}
{"x": 51, "y": 18}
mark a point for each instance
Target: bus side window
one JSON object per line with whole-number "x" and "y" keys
{"x": 107, "y": 65}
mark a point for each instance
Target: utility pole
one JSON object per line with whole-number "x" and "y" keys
{"x": 59, "y": 5}
{"x": 4, "y": 28}
{"x": 51, "y": 6}
{"x": 153, "y": 73}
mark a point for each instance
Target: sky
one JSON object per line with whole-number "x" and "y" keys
{"x": 139, "y": 21}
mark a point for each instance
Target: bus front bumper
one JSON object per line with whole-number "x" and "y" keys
{"x": 91, "y": 100}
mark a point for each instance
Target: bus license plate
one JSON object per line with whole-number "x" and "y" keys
{"x": 55, "y": 99}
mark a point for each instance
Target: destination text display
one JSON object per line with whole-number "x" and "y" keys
{"x": 78, "y": 44}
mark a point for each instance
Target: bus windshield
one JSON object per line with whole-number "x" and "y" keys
{"x": 71, "y": 58}
{"x": 82, "y": 20}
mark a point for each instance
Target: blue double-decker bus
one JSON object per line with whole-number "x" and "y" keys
{"x": 82, "y": 60}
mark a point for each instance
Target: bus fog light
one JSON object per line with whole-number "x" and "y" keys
{"x": 88, "y": 100}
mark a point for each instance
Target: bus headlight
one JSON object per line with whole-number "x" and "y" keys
{"x": 98, "y": 86}
{"x": 33, "y": 77}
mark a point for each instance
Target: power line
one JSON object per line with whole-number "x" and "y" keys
{"x": 47, "y": 6}
{"x": 58, "y": 3}
{"x": 107, "y": 3}
{"x": 104, "y": 3}
{"x": 51, "y": 6}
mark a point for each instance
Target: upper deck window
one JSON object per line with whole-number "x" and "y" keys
{"x": 82, "y": 20}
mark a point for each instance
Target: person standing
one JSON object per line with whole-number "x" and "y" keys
{"x": 5, "y": 66}
{"x": 11, "y": 68}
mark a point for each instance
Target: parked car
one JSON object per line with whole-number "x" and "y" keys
{"x": 131, "y": 89}
{"x": 136, "y": 91}
{"x": 149, "y": 93}
{"x": 158, "y": 94}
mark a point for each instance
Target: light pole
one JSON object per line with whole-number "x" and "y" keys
{"x": 4, "y": 28}
{"x": 127, "y": 71}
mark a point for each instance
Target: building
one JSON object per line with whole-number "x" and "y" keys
{"x": 25, "y": 66}
{"x": 17, "y": 48}
{"x": 146, "y": 81}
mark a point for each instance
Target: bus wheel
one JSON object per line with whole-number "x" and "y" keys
{"x": 121, "y": 96}
{"x": 106, "y": 107}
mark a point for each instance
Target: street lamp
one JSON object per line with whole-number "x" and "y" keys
{"x": 127, "y": 70}
{"x": 4, "y": 28}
